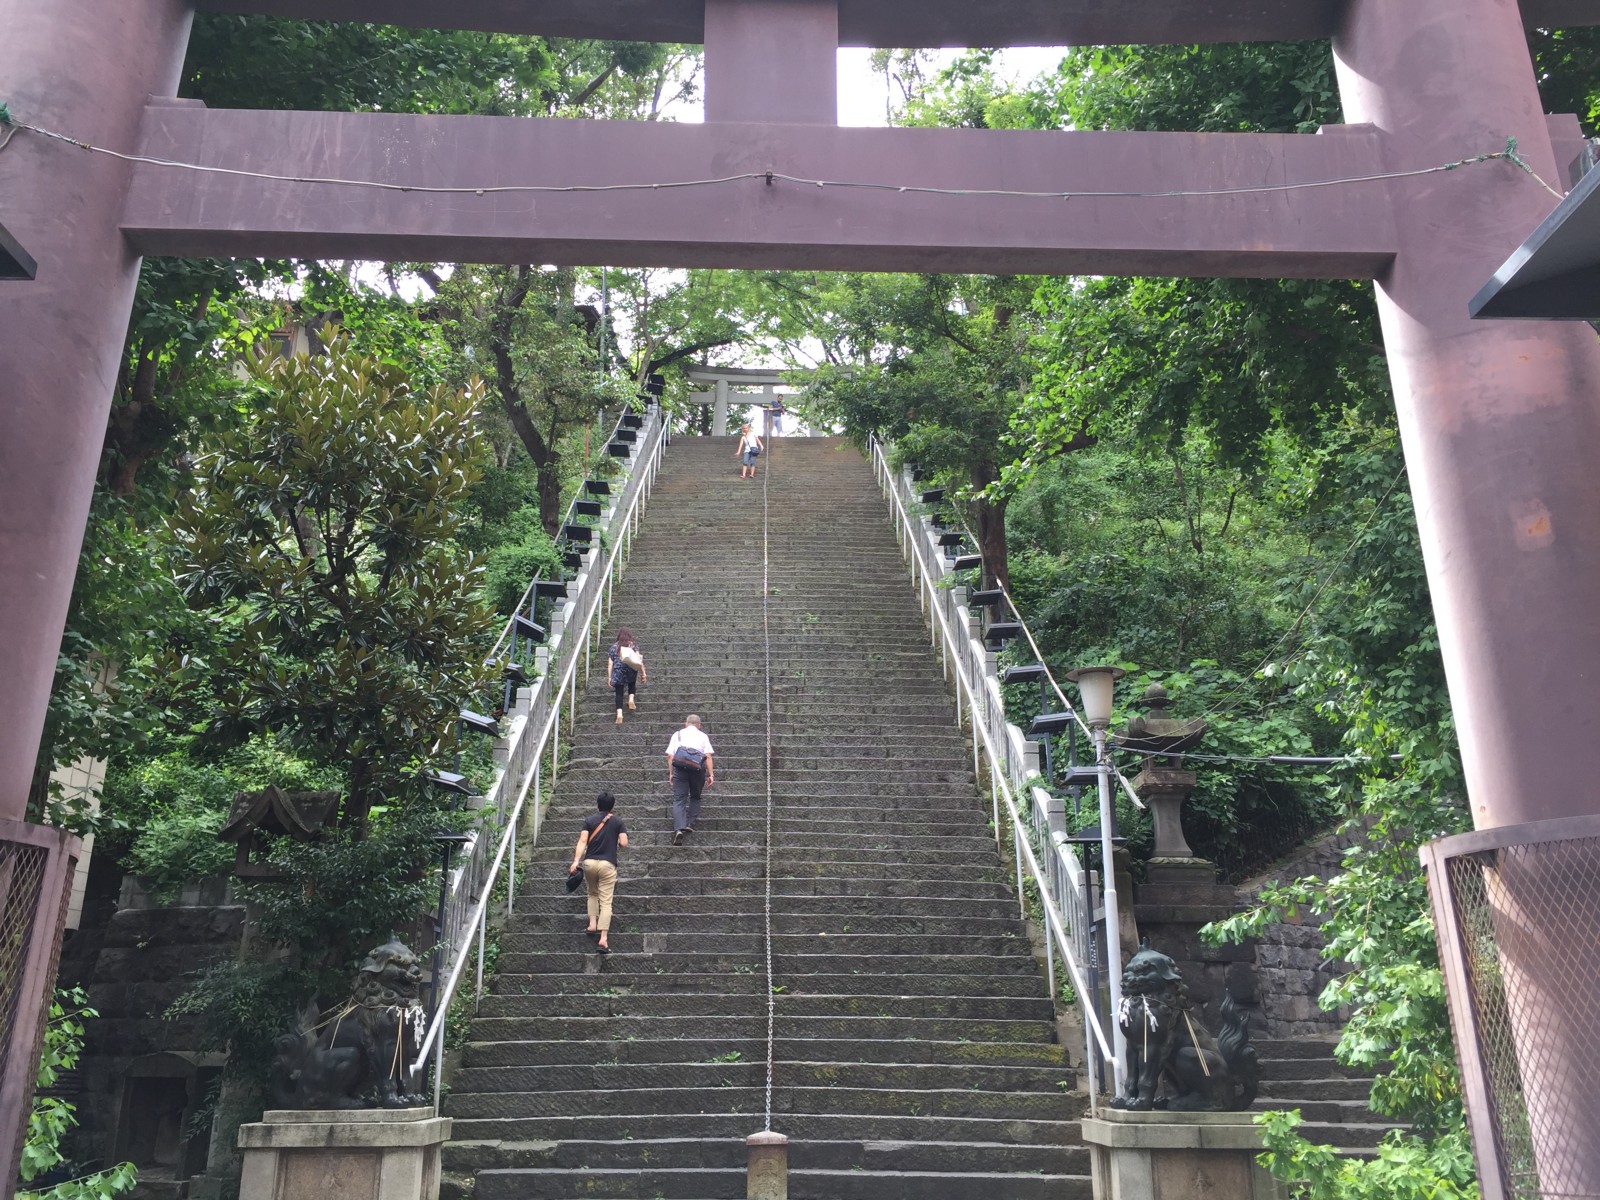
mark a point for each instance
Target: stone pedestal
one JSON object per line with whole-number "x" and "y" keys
{"x": 1177, "y": 1156}
{"x": 1177, "y": 897}
{"x": 767, "y": 1177}
{"x": 355, "y": 1154}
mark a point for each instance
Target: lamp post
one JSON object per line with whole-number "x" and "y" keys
{"x": 1095, "y": 687}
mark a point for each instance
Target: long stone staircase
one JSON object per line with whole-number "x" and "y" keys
{"x": 915, "y": 1052}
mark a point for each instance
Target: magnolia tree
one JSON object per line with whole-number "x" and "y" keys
{"x": 345, "y": 622}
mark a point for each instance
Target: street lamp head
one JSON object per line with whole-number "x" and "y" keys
{"x": 1094, "y": 688}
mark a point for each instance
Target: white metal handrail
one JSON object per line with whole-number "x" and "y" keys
{"x": 534, "y": 729}
{"x": 1065, "y": 890}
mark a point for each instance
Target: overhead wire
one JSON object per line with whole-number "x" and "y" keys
{"x": 769, "y": 177}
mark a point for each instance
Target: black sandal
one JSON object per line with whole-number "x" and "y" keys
{"x": 602, "y": 949}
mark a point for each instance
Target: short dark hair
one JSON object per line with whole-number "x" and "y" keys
{"x": 605, "y": 801}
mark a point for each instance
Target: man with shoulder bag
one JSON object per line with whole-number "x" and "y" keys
{"x": 594, "y": 861}
{"x": 691, "y": 766}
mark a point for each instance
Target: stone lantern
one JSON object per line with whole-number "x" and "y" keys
{"x": 1163, "y": 784}
{"x": 1180, "y": 892}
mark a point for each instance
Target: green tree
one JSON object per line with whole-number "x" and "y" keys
{"x": 937, "y": 364}
{"x": 318, "y": 542}
{"x": 522, "y": 325}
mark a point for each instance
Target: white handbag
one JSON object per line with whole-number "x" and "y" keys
{"x": 630, "y": 656}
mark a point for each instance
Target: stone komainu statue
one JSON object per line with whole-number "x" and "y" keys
{"x": 1168, "y": 1043}
{"x": 359, "y": 1054}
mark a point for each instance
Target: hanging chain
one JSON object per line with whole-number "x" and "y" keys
{"x": 766, "y": 638}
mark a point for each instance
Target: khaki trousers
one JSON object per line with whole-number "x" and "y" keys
{"x": 601, "y": 878}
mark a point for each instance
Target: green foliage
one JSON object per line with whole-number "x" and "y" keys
{"x": 51, "y": 1118}
{"x": 522, "y": 326}
{"x": 1269, "y": 87}
{"x": 936, "y": 364}
{"x": 318, "y": 538}
{"x": 1372, "y": 665}
{"x": 175, "y": 803}
{"x": 1405, "y": 1167}
{"x": 179, "y": 847}
{"x": 1568, "y": 65}
{"x": 525, "y": 551}
{"x": 123, "y": 605}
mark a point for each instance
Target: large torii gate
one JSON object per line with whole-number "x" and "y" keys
{"x": 1500, "y": 421}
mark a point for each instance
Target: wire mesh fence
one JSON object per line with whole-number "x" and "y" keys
{"x": 22, "y": 871}
{"x": 1519, "y": 932}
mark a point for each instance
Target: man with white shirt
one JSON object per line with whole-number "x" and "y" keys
{"x": 691, "y": 766}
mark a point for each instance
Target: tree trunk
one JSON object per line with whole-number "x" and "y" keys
{"x": 550, "y": 496}
{"x": 990, "y": 518}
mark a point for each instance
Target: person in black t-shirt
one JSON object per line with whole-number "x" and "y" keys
{"x": 602, "y": 836}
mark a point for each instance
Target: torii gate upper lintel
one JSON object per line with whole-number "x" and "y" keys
{"x": 1499, "y": 419}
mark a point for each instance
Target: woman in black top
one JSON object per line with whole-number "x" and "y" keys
{"x": 603, "y": 835}
{"x": 624, "y": 675}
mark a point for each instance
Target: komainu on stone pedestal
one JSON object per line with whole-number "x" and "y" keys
{"x": 359, "y": 1054}
{"x": 1174, "y": 1061}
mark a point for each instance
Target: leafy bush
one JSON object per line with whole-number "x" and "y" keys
{"x": 179, "y": 847}
{"x": 527, "y": 550}
{"x": 177, "y": 802}
{"x": 52, "y": 1118}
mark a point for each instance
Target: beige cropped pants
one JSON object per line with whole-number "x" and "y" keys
{"x": 601, "y": 879}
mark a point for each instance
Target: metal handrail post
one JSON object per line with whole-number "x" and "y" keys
{"x": 1108, "y": 889}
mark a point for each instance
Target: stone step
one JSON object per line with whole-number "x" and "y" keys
{"x": 787, "y": 947}
{"x": 644, "y": 880}
{"x": 657, "y": 976}
{"x": 626, "y": 1099}
{"x": 788, "y": 905}
{"x": 671, "y": 1004}
{"x": 710, "y": 1184}
{"x": 623, "y": 1076}
{"x": 731, "y": 1152}
{"x": 1301, "y": 1069}
{"x": 752, "y": 1047}
{"x": 798, "y": 1126}
{"x": 530, "y": 927}
{"x": 878, "y": 1036}
{"x": 645, "y": 887}
{"x": 1283, "y": 1092}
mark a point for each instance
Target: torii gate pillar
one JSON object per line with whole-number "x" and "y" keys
{"x": 89, "y": 66}
{"x": 1499, "y": 419}
{"x": 1501, "y": 427}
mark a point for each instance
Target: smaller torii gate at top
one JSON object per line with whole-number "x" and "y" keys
{"x": 1500, "y": 420}
{"x": 721, "y": 397}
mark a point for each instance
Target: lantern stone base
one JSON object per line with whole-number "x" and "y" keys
{"x": 351, "y": 1154}
{"x": 1177, "y": 1156}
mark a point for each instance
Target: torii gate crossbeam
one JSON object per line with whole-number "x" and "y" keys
{"x": 1339, "y": 232}
{"x": 1500, "y": 421}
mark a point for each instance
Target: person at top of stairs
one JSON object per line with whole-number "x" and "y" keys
{"x": 687, "y": 776}
{"x": 602, "y": 835}
{"x": 627, "y": 668}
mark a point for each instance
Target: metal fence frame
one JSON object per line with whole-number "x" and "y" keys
{"x": 1493, "y": 1080}
{"x": 533, "y": 731}
{"x": 1066, "y": 890}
